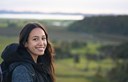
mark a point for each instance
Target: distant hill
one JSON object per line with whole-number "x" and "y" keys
{"x": 53, "y": 13}
{"x": 116, "y": 25}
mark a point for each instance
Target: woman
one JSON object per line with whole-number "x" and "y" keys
{"x": 34, "y": 49}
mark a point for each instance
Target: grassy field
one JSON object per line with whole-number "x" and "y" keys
{"x": 90, "y": 48}
{"x": 68, "y": 71}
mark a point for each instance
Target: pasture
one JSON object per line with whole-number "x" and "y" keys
{"x": 68, "y": 71}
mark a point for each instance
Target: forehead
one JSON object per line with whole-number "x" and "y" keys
{"x": 37, "y": 32}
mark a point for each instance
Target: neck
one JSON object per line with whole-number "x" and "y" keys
{"x": 34, "y": 57}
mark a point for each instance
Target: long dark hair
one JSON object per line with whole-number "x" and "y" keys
{"x": 48, "y": 56}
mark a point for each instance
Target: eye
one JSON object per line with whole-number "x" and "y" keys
{"x": 43, "y": 38}
{"x": 35, "y": 39}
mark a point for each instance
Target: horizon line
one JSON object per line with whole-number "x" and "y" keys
{"x": 2, "y": 11}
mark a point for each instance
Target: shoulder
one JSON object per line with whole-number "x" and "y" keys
{"x": 20, "y": 68}
{"x": 21, "y": 74}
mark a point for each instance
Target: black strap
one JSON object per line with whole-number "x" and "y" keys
{"x": 1, "y": 76}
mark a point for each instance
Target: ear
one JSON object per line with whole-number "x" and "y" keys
{"x": 26, "y": 44}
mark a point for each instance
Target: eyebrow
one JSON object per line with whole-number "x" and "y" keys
{"x": 38, "y": 36}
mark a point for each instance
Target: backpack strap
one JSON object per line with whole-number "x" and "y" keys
{"x": 1, "y": 76}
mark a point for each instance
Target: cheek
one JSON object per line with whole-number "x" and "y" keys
{"x": 31, "y": 47}
{"x": 29, "y": 44}
{"x": 46, "y": 42}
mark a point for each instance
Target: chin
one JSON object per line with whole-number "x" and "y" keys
{"x": 41, "y": 54}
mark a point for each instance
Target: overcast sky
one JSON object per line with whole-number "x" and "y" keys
{"x": 73, "y": 6}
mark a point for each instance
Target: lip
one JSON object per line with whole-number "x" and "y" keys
{"x": 40, "y": 48}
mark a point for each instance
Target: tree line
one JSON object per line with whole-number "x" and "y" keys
{"x": 114, "y": 24}
{"x": 119, "y": 55}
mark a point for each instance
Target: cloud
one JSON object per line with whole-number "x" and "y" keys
{"x": 83, "y": 6}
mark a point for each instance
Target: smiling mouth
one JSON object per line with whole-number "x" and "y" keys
{"x": 41, "y": 49}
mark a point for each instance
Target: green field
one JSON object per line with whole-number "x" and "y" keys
{"x": 68, "y": 71}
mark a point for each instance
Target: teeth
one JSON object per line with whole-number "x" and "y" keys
{"x": 40, "y": 48}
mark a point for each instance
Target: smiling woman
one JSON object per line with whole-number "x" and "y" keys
{"x": 33, "y": 51}
{"x": 36, "y": 43}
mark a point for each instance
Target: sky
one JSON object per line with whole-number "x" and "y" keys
{"x": 68, "y": 6}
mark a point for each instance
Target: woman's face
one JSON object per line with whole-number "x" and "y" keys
{"x": 37, "y": 42}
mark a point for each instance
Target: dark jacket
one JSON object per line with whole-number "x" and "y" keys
{"x": 15, "y": 53}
